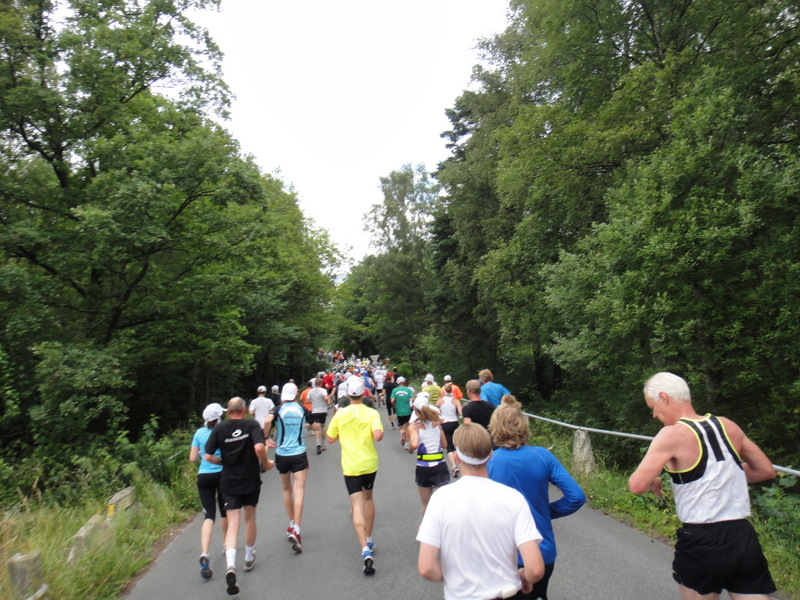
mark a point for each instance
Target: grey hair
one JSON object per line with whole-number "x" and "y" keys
{"x": 669, "y": 383}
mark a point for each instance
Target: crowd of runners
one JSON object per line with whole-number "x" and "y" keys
{"x": 500, "y": 505}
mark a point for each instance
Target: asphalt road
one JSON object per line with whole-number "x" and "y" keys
{"x": 599, "y": 558}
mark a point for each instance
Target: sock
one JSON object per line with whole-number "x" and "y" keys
{"x": 230, "y": 556}
{"x": 291, "y": 524}
{"x": 365, "y": 550}
{"x": 369, "y": 539}
{"x": 297, "y": 529}
{"x": 248, "y": 552}
{"x": 204, "y": 554}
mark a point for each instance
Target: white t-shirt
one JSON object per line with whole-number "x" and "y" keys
{"x": 260, "y": 408}
{"x": 318, "y": 402}
{"x": 477, "y": 524}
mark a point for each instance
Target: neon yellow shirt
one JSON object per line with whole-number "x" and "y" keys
{"x": 353, "y": 425}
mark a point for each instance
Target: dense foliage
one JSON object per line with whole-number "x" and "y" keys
{"x": 146, "y": 266}
{"x": 621, "y": 198}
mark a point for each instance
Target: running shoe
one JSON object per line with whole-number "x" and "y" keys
{"x": 248, "y": 564}
{"x": 456, "y": 472}
{"x": 319, "y": 449}
{"x": 371, "y": 546}
{"x": 205, "y": 569}
{"x": 289, "y": 532}
{"x": 230, "y": 579}
{"x": 369, "y": 567}
{"x": 296, "y": 544}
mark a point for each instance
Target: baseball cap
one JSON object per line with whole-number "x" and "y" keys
{"x": 401, "y": 379}
{"x": 262, "y": 388}
{"x": 355, "y": 386}
{"x": 213, "y": 412}
{"x": 428, "y": 377}
{"x": 421, "y": 400}
{"x": 289, "y": 392}
{"x": 275, "y": 388}
{"x": 448, "y": 378}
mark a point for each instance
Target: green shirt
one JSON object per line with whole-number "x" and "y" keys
{"x": 402, "y": 397}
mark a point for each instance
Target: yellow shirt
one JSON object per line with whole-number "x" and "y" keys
{"x": 353, "y": 425}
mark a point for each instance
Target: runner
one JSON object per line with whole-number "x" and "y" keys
{"x": 453, "y": 390}
{"x": 243, "y": 458}
{"x": 261, "y": 405}
{"x": 426, "y": 438}
{"x": 401, "y": 403}
{"x": 290, "y": 458}
{"x": 531, "y": 470}
{"x": 710, "y": 461}
{"x": 208, "y": 478}
{"x": 358, "y": 427}
{"x": 388, "y": 388}
{"x": 450, "y": 407}
{"x": 473, "y": 529}
{"x": 319, "y": 413}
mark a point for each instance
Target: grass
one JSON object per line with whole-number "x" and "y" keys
{"x": 114, "y": 558}
{"x": 775, "y": 509}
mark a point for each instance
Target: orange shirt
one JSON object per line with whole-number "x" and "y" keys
{"x": 304, "y": 399}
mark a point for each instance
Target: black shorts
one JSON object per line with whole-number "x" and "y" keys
{"x": 449, "y": 428}
{"x": 359, "y": 483}
{"x": 539, "y": 588}
{"x": 430, "y": 477}
{"x": 318, "y": 418}
{"x": 210, "y": 494}
{"x": 285, "y": 464}
{"x": 403, "y": 420}
{"x": 237, "y": 501}
{"x": 725, "y": 555}
{"x": 389, "y": 407}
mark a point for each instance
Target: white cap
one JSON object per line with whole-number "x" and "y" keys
{"x": 401, "y": 379}
{"x": 275, "y": 388}
{"x": 289, "y": 392}
{"x": 355, "y": 386}
{"x": 448, "y": 378}
{"x": 422, "y": 399}
{"x": 213, "y": 412}
{"x": 428, "y": 377}
{"x": 262, "y": 388}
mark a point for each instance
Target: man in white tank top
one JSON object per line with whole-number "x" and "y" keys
{"x": 710, "y": 461}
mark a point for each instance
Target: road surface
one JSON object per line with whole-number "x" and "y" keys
{"x": 599, "y": 558}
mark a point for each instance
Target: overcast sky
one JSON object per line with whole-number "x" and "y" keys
{"x": 333, "y": 95}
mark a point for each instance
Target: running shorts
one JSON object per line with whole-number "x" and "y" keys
{"x": 710, "y": 557}
{"x": 295, "y": 463}
{"x": 430, "y": 477}
{"x": 359, "y": 483}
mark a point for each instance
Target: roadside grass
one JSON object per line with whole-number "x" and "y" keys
{"x": 116, "y": 554}
{"x": 776, "y": 510}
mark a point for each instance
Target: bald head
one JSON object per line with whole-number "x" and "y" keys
{"x": 473, "y": 388}
{"x": 236, "y": 406}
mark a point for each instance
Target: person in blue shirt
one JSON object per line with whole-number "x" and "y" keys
{"x": 208, "y": 478}
{"x": 531, "y": 470}
{"x": 291, "y": 458}
{"x": 490, "y": 391}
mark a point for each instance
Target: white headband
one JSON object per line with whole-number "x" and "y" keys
{"x": 470, "y": 460}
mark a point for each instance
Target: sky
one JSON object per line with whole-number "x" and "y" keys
{"x": 332, "y": 96}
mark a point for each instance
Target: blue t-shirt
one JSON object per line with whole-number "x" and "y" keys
{"x": 493, "y": 392}
{"x": 199, "y": 441}
{"x": 290, "y": 420}
{"x": 531, "y": 470}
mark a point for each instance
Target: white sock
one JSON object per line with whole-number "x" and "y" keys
{"x": 291, "y": 524}
{"x": 369, "y": 539}
{"x": 364, "y": 549}
{"x": 230, "y": 556}
{"x": 297, "y": 529}
{"x": 248, "y": 552}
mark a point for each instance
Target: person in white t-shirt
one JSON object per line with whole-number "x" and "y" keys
{"x": 260, "y": 406}
{"x": 472, "y": 530}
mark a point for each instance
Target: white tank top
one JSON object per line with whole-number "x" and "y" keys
{"x": 429, "y": 451}
{"x": 448, "y": 409}
{"x": 715, "y": 487}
